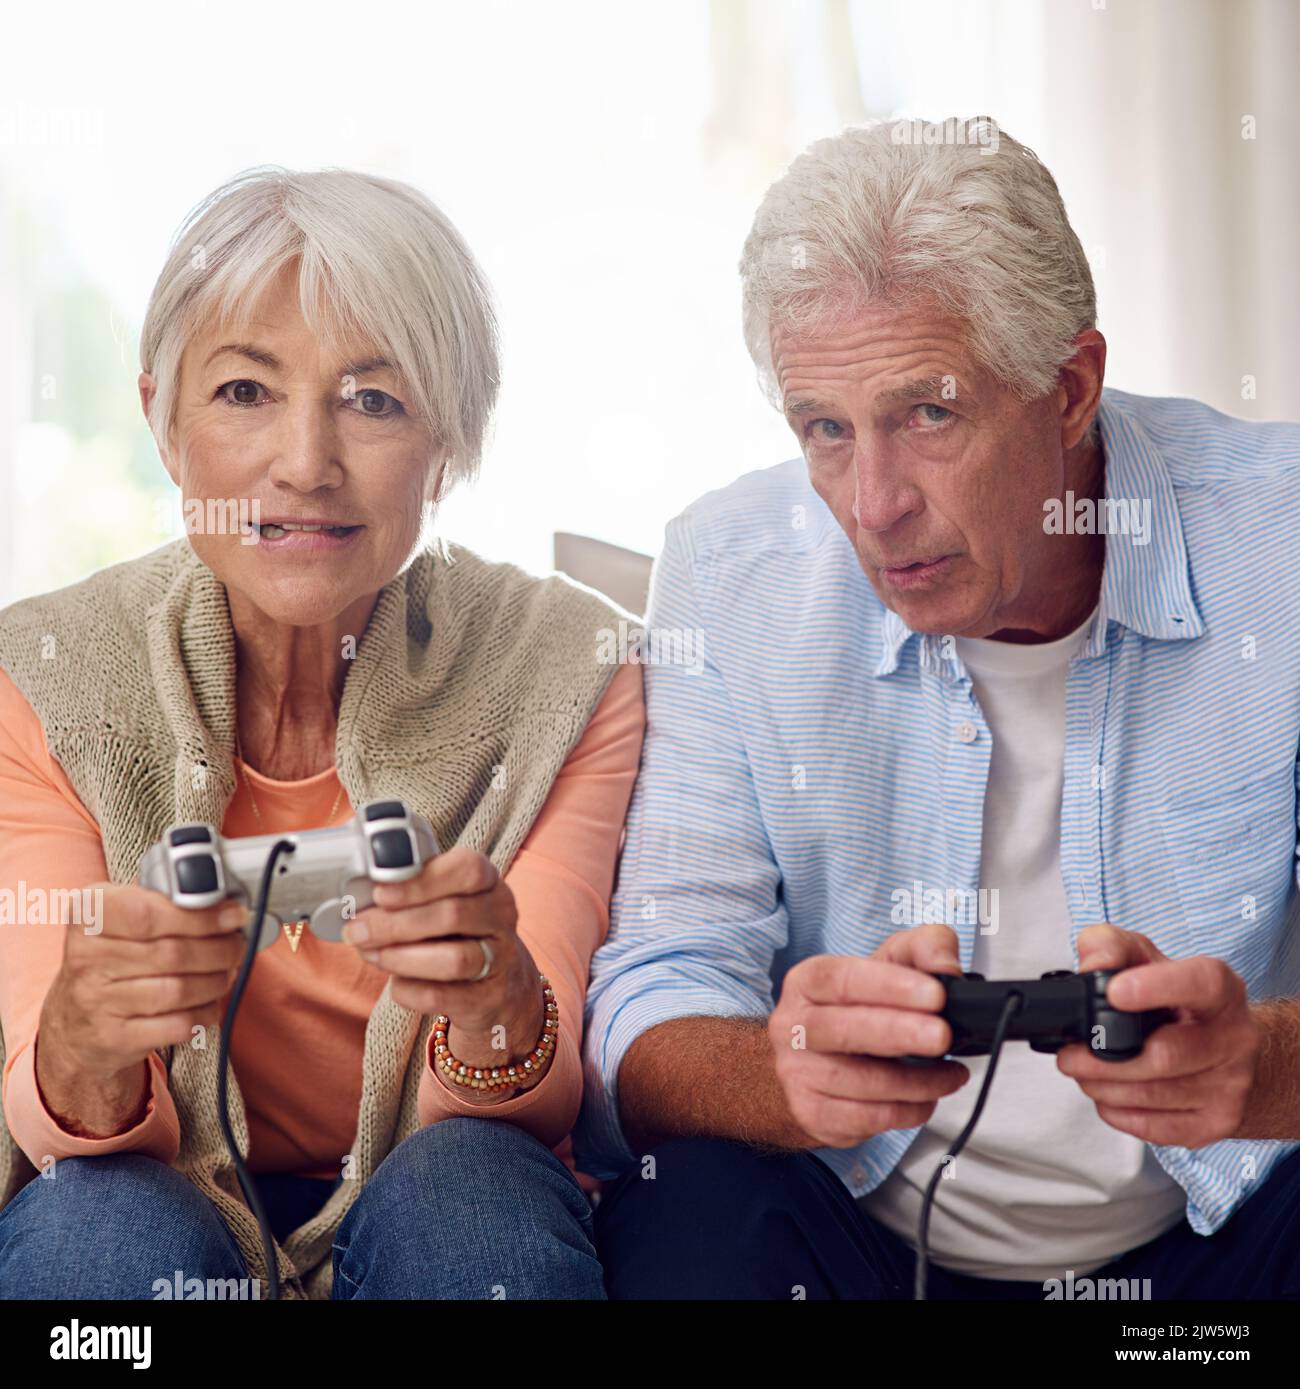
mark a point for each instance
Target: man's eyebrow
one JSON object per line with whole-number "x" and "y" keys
{"x": 920, "y": 389}
{"x": 923, "y": 388}
{"x": 803, "y": 406}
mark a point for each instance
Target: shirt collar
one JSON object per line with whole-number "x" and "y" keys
{"x": 1144, "y": 586}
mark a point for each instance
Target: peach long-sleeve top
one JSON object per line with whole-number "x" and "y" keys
{"x": 297, "y": 1045}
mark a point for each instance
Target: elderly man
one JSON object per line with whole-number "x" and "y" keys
{"x": 1002, "y": 676}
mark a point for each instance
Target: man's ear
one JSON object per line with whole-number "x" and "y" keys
{"x": 1080, "y": 382}
{"x": 148, "y": 389}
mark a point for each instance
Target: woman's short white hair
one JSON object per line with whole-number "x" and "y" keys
{"x": 900, "y": 210}
{"x": 375, "y": 258}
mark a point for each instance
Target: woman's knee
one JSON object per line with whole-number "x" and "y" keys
{"x": 468, "y": 1208}
{"x": 113, "y": 1226}
{"x": 496, "y": 1163}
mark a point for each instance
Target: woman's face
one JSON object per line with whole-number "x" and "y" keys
{"x": 271, "y": 430}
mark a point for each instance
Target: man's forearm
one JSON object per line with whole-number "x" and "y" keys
{"x": 705, "y": 1078}
{"x": 1273, "y": 1107}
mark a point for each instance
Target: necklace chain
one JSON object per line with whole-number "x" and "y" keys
{"x": 257, "y": 814}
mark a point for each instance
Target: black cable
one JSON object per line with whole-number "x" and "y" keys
{"x": 1009, "y": 1010}
{"x": 227, "y": 1026}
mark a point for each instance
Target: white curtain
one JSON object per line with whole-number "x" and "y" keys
{"x": 1198, "y": 227}
{"x": 1138, "y": 107}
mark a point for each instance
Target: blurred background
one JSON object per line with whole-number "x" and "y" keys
{"x": 603, "y": 161}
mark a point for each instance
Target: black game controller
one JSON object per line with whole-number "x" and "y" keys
{"x": 1049, "y": 1013}
{"x": 1060, "y": 1008}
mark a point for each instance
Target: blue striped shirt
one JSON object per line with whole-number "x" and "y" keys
{"x": 820, "y": 758}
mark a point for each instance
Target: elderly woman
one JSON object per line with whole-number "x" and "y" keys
{"x": 319, "y": 361}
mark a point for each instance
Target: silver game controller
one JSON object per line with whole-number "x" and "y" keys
{"x": 326, "y": 880}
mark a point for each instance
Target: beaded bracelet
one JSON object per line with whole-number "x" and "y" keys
{"x": 493, "y": 1078}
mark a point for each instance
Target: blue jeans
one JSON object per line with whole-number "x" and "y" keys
{"x": 723, "y": 1221}
{"x": 466, "y": 1208}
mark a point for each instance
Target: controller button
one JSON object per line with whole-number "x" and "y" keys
{"x": 385, "y": 810}
{"x": 392, "y": 849}
{"x": 1059, "y": 974}
{"x": 196, "y": 873}
{"x": 190, "y": 834}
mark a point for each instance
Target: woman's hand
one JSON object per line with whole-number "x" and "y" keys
{"x": 427, "y": 932}
{"x": 151, "y": 975}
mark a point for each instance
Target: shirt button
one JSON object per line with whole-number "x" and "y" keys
{"x": 966, "y": 731}
{"x": 858, "y": 1176}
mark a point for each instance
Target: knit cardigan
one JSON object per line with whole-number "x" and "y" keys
{"x": 469, "y": 687}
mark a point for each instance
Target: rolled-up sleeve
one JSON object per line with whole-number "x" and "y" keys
{"x": 697, "y": 917}
{"x": 49, "y": 846}
{"x": 561, "y": 879}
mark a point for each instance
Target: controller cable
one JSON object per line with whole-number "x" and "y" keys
{"x": 1009, "y": 1009}
{"x": 223, "y": 1057}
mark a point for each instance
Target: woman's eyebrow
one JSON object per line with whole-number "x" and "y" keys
{"x": 366, "y": 365}
{"x": 247, "y": 349}
{"x": 265, "y": 358}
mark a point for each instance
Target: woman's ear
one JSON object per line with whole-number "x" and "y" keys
{"x": 148, "y": 389}
{"x": 439, "y": 486}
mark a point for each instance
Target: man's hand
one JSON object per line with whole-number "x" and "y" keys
{"x": 1191, "y": 1084}
{"x": 839, "y": 1021}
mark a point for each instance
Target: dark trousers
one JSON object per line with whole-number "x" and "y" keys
{"x": 718, "y": 1220}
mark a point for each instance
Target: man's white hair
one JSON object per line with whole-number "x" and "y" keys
{"x": 896, "y": 211}
{"x": 375, "y": 259}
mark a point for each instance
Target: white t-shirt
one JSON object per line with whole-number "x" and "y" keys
{"x": 1043, "y": 1185}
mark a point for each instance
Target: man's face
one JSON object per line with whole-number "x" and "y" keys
{"x": 936, "y": 472}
